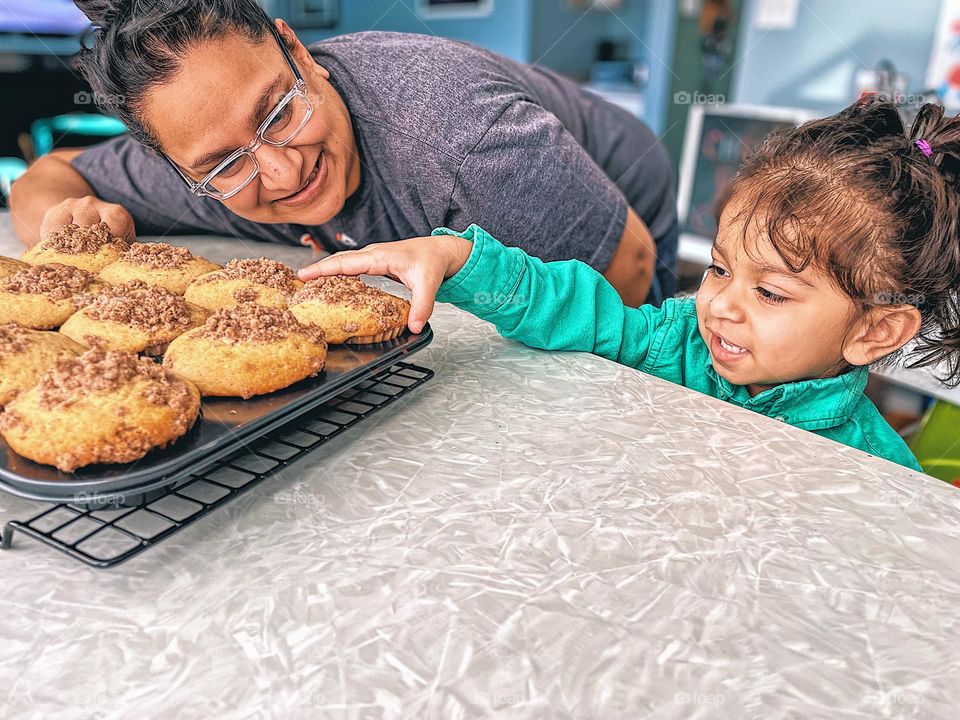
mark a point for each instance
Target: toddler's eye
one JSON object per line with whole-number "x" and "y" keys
{"x": 717, "y": 270}
{"x": 770, "y": 297}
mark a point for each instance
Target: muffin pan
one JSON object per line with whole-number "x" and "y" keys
{"x": 226, "y": 424}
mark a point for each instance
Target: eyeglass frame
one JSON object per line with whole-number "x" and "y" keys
{"x": 299, "y": 89}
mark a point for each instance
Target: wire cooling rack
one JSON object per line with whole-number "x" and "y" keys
{"x": 105, "y": 538}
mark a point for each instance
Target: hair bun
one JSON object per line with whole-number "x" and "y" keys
{"x": 874, "y": 119}
{"x": 942, "y": 136}
{"x": 102, "y": 13}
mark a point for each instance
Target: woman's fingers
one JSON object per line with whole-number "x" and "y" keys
{"x": 119, "y": 220}
{"x": 54, "y": 218}
{"x": 88, "y": 211}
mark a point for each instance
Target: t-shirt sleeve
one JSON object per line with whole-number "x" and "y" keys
{"x": 122, "y": 171}
{"x": 532, "y": 186}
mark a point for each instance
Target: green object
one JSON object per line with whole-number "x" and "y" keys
{"x": 10, "y": 170}
{"x": 937, "y": 442}
{"x": 568, "y": 305}
{"x": 44, "y": 131}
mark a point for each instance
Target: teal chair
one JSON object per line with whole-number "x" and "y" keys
{"x": 43, "y": 131}
{"x": 10, "y": 170}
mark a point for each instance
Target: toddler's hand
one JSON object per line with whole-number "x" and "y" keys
{"x": 419, "y": 263}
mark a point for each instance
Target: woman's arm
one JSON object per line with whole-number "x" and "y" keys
{"x": 51, "y": 193}
{"x": 634, "y": 262}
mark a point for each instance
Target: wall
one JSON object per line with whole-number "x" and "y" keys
{"x": 812, "y": 65}
{"x": 542, "y": 31}
{"x": 652, "y": 25}
{"x": 566, "y": 40}
{"x": 506, "y": 30}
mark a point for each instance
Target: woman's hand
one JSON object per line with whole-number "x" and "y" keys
{"x": 419, "y": 263}
{"x": 86, "y": 211}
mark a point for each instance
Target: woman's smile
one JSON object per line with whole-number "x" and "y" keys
{"x": 311, "y": 188}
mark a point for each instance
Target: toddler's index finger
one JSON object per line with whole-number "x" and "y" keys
{"x": 348, "y": 262}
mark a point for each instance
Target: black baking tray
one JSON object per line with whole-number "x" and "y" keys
{"x": 226, "y": 424}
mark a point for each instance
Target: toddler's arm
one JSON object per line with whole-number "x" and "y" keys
{"x": 565, "y": 305}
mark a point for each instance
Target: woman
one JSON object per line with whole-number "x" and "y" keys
{"x": 236, "y": 128}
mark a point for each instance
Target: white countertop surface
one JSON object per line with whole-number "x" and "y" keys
{"x": 528, "y": 535}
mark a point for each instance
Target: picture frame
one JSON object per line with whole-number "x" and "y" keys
{"x": 313, "y": 14}
{"x": 442, "y": 9}
{"x": 595, "y": 5}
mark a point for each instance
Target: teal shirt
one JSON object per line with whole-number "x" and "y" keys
{"x": 568, "y": 305}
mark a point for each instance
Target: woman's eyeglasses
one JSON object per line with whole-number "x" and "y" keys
{"x": 280, "y": 127}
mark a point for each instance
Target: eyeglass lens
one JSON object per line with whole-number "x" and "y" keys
{"x": 282, "y": 127}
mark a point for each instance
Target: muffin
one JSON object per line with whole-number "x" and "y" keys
{"x": 261, "y": 281}
{"x": 134, "y": 317}
{"x": 167, "y": 266}
{"x": 9, "y": 266}
{"x": 88, "y": 248}
{"x": 26, "y": 354}
{"x": 100, "y": 407}
{"x": 247, "y": 350}
{"x": 44, "y": 296}
{"x": 350, "y": 311}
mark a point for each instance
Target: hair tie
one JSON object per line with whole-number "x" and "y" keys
{"x": 924, "y": 147}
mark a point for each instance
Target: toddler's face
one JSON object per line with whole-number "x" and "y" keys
{"x": 765, "y": 325}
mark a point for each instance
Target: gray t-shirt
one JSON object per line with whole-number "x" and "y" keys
{"x": 449, "y": 135}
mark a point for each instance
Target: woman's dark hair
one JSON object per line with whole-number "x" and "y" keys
{"x": 859, "y": 199}
{"x": 138, "y": 44}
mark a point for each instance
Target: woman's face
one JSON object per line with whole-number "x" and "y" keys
{"x": 225, "y": 88}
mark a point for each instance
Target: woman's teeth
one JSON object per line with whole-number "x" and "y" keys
{"x": 316, "y": 169}
{"x": 731, "y": 348}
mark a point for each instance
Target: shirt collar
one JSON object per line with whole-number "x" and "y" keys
{"x": 808, "y": 404}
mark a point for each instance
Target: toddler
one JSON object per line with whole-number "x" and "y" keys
{"x": 837, "y": 246}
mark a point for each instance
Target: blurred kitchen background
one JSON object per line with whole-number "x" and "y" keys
{"x": 711, "y": 77}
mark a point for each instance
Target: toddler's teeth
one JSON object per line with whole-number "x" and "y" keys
{"x": 731, "y": 348}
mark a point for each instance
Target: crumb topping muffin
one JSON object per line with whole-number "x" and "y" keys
{"x": 158, "y": 256}
{"x": 101, "y": 407}
{"x": 349, "y": 310}
{"x": 258, "y": 280}
{"x": 89, "y": 248}
{"x": 44, "y": 296}
{"x": 248, "y": 350}
{"x": 9, "y": 266}
{"x": 133, "y": 317}
{"x": 256, "y": 324}
{"x": 26, "y": 354}
{"x": 168, "y": 266}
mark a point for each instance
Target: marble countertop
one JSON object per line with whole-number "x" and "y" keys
{"x": 528, "y": 535}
